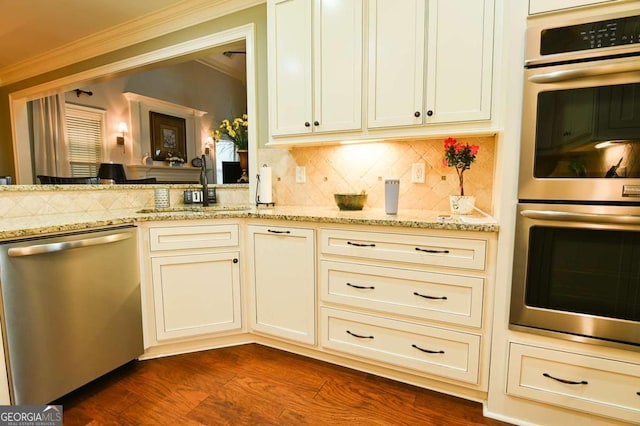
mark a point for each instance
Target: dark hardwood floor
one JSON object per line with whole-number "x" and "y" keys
{"x": 257, "y": 385}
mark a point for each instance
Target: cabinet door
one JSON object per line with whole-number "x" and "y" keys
{"x": 540, "y": 6}
{"x": 338, "y": 65}
{"x": 290, "y": 87}
{"x": 396, "y": 61}
{"x": 282, "y": 274}
{"x": 196, "y": 294}
{"x": 459, "y": 60}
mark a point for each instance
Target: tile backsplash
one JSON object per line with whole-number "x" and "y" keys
{"x": 358, "y": 167}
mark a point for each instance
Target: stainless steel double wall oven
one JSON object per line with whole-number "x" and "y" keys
{"x": 576, "y": 271}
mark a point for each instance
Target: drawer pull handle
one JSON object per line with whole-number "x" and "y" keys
{"x": 566, "y": 382}
{"x": 430, "y": 297}
{"x": 432, "y": 251}
{"x": 360, "y": 245}
{"x": 426, "y": 350}
{"x": 363, "y": 287}
{"x": 359, "y": 336}
{"x": 275, "y": 231}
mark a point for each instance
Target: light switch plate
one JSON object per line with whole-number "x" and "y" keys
{"x": 417, "y": 172}
{"x": 301, "y": 174}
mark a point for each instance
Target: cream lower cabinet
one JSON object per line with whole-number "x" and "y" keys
{"x": 413, "y": 301}
{"x": 282, "y": 282}
{"x": 195, "y": 280}
{"x": 587, "y": 383}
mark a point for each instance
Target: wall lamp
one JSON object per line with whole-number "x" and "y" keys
{"x": 122, "y": 128}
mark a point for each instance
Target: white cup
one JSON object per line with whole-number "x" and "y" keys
{"x": 391, "y": 194}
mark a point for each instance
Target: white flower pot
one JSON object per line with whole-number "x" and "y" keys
{"x": 462, "y": 204}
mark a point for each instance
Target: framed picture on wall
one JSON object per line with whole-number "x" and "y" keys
{"x": 168, "y": 136}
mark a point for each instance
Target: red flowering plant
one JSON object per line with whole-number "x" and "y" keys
{"x": 460, "y": 156}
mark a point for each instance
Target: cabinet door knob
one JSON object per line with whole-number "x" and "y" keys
{"x": 429, "y": 113}
{"x": 307, "y": 124}
{"x": 235, "y": 260}
{"x": 416, "y": 114}
{"x": 316, "y": 123}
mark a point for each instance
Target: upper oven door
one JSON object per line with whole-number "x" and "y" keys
{"x": 581, "y": 132}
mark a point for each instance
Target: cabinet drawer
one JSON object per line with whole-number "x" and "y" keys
{"x": 450, "y": 298}
{"x": 193, "y": 237}
{"x": 429, "y": 350}
{"x": 604, "y": 386}
{"x": 418, "y": 249}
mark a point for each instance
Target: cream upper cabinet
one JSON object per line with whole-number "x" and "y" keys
{"x": 396, "y": 59}
{"x": 459, "y": 60}
{"x": 540, "y": 6}
{"x": 315, "y": 66}
{"x": 439, "y": 77}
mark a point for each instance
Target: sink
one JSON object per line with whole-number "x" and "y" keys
{"x": 195, "y": 209}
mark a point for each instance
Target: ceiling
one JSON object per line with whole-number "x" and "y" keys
{"x": 31, "y": 28}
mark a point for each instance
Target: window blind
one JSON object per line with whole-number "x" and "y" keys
{"x": 85, "y": 135}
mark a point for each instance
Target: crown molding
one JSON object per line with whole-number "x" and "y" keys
{"x": 218, "y": 64}
{"x": 173, "y": 18}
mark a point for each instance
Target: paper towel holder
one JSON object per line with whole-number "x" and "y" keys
{"x": 258, "y": 202}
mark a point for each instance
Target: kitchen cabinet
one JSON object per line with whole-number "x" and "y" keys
{"x": 442, "y": 76}
{"x": 541, "y": 6}
{"x": 606, "y": 387}
{"x": 415, "y": 302}
{"x": 195, "y": 280}
{"x": 315, "y": 66}
{"x": 282, "y": 281}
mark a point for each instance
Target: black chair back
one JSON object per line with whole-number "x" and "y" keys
{"x": 59, "y": 180}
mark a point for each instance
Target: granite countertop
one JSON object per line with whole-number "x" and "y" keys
{"x": 45, "y": 224}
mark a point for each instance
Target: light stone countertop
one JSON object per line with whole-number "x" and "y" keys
{"x": 22, "y": 227}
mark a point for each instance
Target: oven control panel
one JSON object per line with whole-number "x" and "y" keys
{"x": 591, "y": 35}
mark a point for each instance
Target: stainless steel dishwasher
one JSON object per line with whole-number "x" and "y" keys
{"x": 71, "y": 310}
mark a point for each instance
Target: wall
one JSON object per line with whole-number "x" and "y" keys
{"x": 358, "y": 167}
{"x": 255, "y": 15}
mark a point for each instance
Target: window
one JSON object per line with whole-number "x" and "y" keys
{"x": 85, "y": 134}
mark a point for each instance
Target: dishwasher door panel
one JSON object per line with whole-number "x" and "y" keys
{"x": 71, "y": 310}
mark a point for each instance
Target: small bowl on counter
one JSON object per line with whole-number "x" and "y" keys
{"x": 350, "y": 201}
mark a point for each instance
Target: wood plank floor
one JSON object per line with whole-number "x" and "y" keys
{"x": 257, "y": 385}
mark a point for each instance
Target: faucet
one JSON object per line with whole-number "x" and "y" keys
{"x": 203, "y": 181}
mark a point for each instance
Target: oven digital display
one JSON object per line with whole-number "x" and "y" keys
{"x": 592, "y": 35}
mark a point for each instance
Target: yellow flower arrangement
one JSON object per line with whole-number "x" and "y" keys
{"x": 236, "y": 130}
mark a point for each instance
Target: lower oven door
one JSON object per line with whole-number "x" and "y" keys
{"x": 576, "y": 272}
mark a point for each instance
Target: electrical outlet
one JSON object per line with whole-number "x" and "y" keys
{"x": 417, "y": 172}
{"x": 301, "y": 174}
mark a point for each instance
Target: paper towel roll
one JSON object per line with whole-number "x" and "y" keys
{"x": 265, "y": 190}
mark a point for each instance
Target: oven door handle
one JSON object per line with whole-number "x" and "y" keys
{"x": 556, "y": 76}
{"x": 581, "y": 217}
